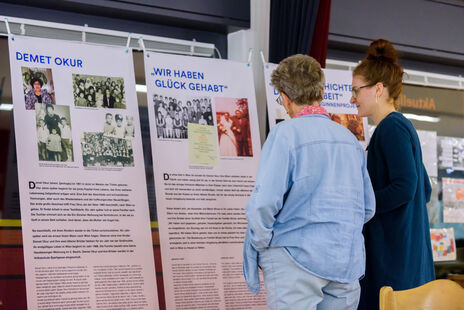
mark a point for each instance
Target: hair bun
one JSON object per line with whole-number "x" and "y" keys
{"x": 382, "y": 50}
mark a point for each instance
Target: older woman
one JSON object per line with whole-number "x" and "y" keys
{"x": 311, "y": 199}
{"x": 37, "y": 94}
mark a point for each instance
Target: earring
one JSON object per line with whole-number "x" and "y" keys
{"x": 376, "y": 99}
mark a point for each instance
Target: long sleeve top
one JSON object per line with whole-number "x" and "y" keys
{"x": 312, "y": 196}
{"x": 397, "y": 238}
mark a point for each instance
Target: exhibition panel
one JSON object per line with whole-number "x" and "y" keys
{"x": 205, "y": 148}
{"x": 84, "y": 208}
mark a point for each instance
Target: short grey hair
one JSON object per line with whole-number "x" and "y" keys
{"x": 301, "y": 78}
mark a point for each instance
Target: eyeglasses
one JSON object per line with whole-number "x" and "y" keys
{"x": 279, "y": 99}
{"x": 355, "y": 90}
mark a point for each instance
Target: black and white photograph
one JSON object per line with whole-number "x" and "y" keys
{"x": 119, "y": 126}
{"x": 172, "y": 115}
{"x": 94, "y": 91}
{"x": 54, "y": 134}
{"x": 99, "y": 150}
{"x": 38, "y": 86}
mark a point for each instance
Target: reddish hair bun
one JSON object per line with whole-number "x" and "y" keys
{"x": 381, "y": 65}
{"x": 382, "y": 50}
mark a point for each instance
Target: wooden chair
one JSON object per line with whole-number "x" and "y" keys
{"x": 435, "y": 295}
{"x": 458, "y": 278}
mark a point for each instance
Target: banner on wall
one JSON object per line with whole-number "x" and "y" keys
{"x": 84, "y": 210}
{"x": 414, "y": 98}
{"x": 337, "y": 95}
{"x": 205, "y": 146}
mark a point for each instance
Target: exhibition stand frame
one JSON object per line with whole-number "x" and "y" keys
{"x": 51, "y": 30}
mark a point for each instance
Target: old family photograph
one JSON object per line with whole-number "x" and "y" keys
{"x": 98, "y": 91}
{"x": 88, "y": 90}
{"x": 54, "y": 135}
{"x": 112, "y": 147}
{"x": 38, "y": 86}
{"x": 172, "y": 116}
{"x": 53, "y": 122}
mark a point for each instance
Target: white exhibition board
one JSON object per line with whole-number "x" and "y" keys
{"x": 337, "y": 95}
{"x": 275, "y": 112}
{"x": 451, "y": 153}
{"x": 453, "y": 200}
{"x": 84, "y": 207}
{"x": 428, "y": 141}
{"x": 206, "y": 147}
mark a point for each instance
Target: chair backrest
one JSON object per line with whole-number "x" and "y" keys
{"x": 435, "y": 295}
{"x": 458, "y": 278}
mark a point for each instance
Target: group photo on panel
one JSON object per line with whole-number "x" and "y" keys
{"x": 100, "y": 150}
{"x": 112, "y": 147}
{"x": 172, "y": 115}
{"x": 98, "y": 91}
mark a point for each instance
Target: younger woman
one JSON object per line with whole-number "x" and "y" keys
{"x": 398, "y": 249}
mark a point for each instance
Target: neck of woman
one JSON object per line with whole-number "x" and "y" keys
{"x": 296, "y": 108}
{"x": 382, "y": 112}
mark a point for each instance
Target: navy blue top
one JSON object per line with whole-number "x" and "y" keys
{"x": 398, "y": 249}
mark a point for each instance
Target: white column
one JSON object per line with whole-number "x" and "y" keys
{"x": 257, "y": 38}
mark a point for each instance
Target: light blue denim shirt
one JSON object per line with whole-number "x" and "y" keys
{"x": 312, "y": 196}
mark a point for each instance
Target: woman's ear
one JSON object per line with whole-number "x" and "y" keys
{"x": 285, "y": 101}
{"x": 379, "y": 89}
{"x": 284, "y": 96}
